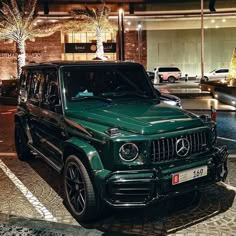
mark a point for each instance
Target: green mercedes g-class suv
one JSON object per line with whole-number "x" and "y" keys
{"x": 103, "y": 126}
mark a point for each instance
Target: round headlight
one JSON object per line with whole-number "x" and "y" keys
{"x": 128, "y": 152}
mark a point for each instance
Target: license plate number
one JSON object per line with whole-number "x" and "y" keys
{"x": 188, "y": 175}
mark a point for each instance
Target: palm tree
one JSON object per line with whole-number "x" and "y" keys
{"x": 232, "y": 70}
{"x": 95, "y": 19}
{"x": 18, "y": 23}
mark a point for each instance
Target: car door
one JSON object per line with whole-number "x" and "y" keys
{"x": 32, "y": 95}
{"x": 52, "y": 127}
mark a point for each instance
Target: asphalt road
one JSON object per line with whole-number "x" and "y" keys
{"x": 226, "y": 128}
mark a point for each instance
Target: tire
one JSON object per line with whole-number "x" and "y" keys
{"x": 171, "y": 79}
{"x": 22, "y": 150}
{"x": 80, "y": 195}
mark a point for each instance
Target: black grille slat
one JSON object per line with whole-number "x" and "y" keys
{"x": 191, "y": 144}
{"x": 198, "y": 142}
{"x": 165, "y": 149}
{"x": 159, "y": 156}
{"x": 173, "y": 148}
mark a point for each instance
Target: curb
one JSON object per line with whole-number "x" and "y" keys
{"x": 220, "y": 110}
{"x": 232, "y": 155}
{"x": 192, "y": 95}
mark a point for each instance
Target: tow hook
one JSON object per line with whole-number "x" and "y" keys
{"x": 220, "y": 159}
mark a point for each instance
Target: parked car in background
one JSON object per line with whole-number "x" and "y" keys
{"x": 168, "y": 74}
{"x": 166, "y": 98}
{"x": 216, "y": 74}
{"x": 170, "y": 99}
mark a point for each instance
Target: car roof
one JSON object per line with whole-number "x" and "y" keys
{"x": 80, "y": 63}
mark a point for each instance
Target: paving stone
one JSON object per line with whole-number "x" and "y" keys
{"x": 213, "y": 215}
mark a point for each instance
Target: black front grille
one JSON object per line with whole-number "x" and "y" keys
{"x": 165, "y": 149}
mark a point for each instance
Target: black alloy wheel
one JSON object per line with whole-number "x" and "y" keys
{"x": 22, "y": 150}
{"x": 79, "y": 190}
{"x": 171, "y": 79}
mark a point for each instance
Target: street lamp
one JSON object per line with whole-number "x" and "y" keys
{"x": 121, "y": 45}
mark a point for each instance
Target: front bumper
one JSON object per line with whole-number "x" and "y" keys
{"x": 140, "y": 188}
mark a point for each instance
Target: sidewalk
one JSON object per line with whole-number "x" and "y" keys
{"x": 198, "y": 104}
{"x": 213, "y": 215}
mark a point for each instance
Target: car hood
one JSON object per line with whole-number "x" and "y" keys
{"x": 136, "y": 116}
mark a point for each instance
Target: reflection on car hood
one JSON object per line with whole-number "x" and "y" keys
{"x": 169, "y": 97}
{"x": 140, "y": 116}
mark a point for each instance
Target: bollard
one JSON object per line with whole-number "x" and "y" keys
{"x": 186, "y": 77}
{"x": 213, "y": 113}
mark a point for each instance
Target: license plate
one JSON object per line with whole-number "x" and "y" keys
{"x": 188, "y": 175}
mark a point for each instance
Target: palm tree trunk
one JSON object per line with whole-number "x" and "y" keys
{"x": 100, "y": 49}
{"x": 20, "y": 51}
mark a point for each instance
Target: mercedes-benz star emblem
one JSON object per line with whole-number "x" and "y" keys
{"x": 182, "y": 147}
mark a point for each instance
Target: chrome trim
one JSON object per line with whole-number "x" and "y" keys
{"x": 165, "y": 149}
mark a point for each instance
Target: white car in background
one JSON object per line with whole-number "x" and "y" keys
{"x": 217, "y": 74}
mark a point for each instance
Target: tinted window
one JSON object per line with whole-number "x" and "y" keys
{"x": 35, "y": 85}
{"x": 50, "y": 95}
{"x": 169, "y": 69}
{"x": 222, "y": 71}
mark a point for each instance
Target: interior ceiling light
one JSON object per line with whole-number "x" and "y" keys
{"x": 213, "y": 21}
{"x": 223, "y": 20}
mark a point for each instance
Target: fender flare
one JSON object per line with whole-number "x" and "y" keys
{"x": 88, "y": 151}
{"x": 21, "y": 118}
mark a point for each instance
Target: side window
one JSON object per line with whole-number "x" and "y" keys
{"x": 35, "y": 86}
{"x": 50, "y": 95}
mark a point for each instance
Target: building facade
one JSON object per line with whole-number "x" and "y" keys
{"x": 157, "y": 33}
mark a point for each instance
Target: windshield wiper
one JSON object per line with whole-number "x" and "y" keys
{"x": 92, "y": 98}
{"x": 128, "y": 94}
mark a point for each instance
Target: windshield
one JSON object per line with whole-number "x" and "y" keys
{"x": 105, "y": 81}
{"x": 212, "y": 71}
